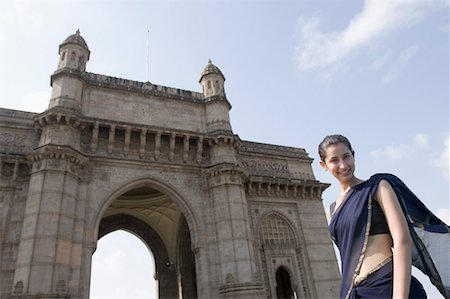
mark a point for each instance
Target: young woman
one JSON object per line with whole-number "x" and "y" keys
{"x": 372, "y": 225}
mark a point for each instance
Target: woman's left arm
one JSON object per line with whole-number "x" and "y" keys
{"x": 401, "y": 237}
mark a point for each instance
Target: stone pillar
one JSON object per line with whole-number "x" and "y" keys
{"x": 50, "y": 248}
{"x": 237, "y": 277}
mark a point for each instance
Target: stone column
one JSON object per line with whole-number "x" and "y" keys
{"x": 237, "y": 277}
{"x": 47, "y": 253}
{"x": 50, "y": 248}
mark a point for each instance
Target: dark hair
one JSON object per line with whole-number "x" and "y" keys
{"x": 333, "y": 140}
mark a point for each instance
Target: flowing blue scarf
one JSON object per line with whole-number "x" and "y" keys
{"x": 350, "y": 224}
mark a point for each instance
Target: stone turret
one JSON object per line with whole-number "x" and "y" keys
{"x": 217, "y": 105}
{"x": 66, "y": 82}
{"x": 212, "y": 81}
{"x": 73, "y": 53}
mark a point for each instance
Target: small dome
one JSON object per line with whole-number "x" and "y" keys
{"x": 211, "y": 69}
{"x": 75, "y": 39}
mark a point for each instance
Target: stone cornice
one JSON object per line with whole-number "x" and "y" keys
{"x": 106, "y": 123}
{"x": 225, "y": 138}
{"x": 16, "y": 118}
{"x": 148, "y": 88}
{"x": 280, "y": 187}
{"x": 58, "y": 115}
{"x": 58, "y": 152}
{"x": 16, "y": 113}
{"x": 226, "y": 174}
{"x": 274, "y": 150}
{"x": 142, "y": 87}
{"x": 226, "y": 168}
{"x": 66, "y": 72}
{"x": 217, "y": 98}
{"x": 232, "y": 287}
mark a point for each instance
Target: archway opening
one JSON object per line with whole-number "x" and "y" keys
{"x": 284, "y": 287}
{"x": 158, "y": 221}
{"x": 123, "y": 266}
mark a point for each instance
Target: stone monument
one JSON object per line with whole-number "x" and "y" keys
{"x": 223, "y": 217}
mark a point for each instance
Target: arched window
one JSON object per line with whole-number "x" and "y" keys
{"x": 284, "y": 287}
{"x": 276, "y": 231}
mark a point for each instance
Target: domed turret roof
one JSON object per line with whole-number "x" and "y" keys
{"x": 211, "y": 69}
{"x": 75, "y": 39}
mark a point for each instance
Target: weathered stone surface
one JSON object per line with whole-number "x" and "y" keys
{"x": 221, "y": 215}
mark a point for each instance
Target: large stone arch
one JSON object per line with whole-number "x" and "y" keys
{"x": 169, "y": 272}
{"x": 165, "y": 188}
{"x": 167, "y": 281}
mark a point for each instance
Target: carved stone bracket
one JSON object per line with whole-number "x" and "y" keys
{"x": 57, "y": 157}
{"x": 126, "y": 146}
{"x": 226, "y": 173}
{"x": 172, "y": 146}
{"x": 199, "y": 149}
{"x": 58, "y": 116}
{"x": 157, "y": 145}
{"x": 186, "y": 148}
{"x": 279, "y": 187}
{"x": 111, "y": 136}
{"x": 174, "y": 137}
{"x": 142, "y": 139}
{"x": 227, "y": 139}
{"x": 94, "y": 140}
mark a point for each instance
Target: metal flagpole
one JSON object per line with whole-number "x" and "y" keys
{"x": 148, "y": 56}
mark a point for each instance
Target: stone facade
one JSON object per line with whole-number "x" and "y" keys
{"x": 224, "y": 217}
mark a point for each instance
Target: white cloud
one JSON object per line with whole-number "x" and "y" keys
{"x": 400, "y": 151}
{"x": 391, "y": 75}
{"x": 421, "y": 140}
{"x": 378, "y": 63}
{"x": 392, "y": 152}
{"x": 378, "y": 19}
{"x": 395, "y": 69}
{"x": 442, "y": 162}
{"x": 407, "y": 54}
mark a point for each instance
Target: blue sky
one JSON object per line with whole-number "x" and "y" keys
{"x": 376, "y": 71}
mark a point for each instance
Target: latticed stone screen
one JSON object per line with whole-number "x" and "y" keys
{"x": 275, "y": 230}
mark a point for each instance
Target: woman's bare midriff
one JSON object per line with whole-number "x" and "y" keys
{"x": 378, "y": 250}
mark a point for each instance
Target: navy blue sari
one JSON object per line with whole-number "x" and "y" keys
{"x": 350, "y": 225}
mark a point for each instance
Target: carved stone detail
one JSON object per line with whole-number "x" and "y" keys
{"x": 199, "y": 149}
{"x": 126, "y": 146}
{"x": 143, "y": 87}
{"x": 94, "y": 140}
{"x": 142, "y": 140}
{"x": 58, "y": 116}
{"x": 53, "y": 156}
{"x": 186, "y": 148}
{"x": 157, "y": 145}
{"x": 264, "y": 186}
{"x": 111, "y": 136}
{"x": 172, "y": 146}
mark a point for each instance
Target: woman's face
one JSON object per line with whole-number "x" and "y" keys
{"x": 340, "y": 162}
